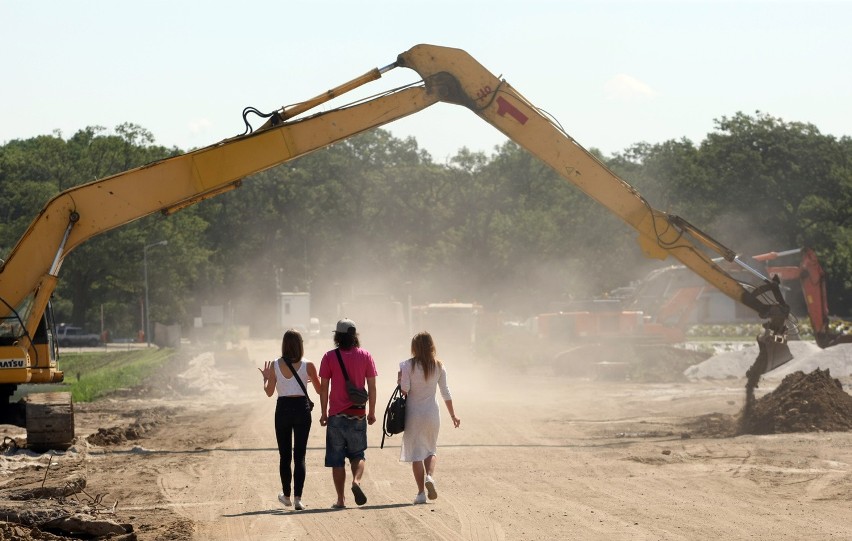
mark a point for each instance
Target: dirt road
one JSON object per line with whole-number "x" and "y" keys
{"x": 537, "y": 457}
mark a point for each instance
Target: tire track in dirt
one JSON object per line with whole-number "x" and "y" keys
{"x": 432, "y": 526}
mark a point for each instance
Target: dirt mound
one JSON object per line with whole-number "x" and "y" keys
{"x": 813, "y": 402}
{"x": 145, "y": 421}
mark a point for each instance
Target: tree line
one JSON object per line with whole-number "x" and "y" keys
{"x": 375, "y": 214}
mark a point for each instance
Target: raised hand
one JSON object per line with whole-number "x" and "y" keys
{"x": 268, "y": 370}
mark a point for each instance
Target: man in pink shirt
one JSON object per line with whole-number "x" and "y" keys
{"x": 346, "y": 421}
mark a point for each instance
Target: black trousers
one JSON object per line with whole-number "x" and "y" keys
{"x": 292, "y": 427}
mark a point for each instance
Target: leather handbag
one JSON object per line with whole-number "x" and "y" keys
{"x": 394, "y": 421}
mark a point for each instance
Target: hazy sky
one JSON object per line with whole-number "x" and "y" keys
{"x": 613, "y": 73}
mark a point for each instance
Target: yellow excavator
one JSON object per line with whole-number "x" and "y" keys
{"x": 29, "y": 275}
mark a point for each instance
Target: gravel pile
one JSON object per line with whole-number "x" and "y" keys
{"x": 837, "y": 359}
{"x": 734, "y": 364}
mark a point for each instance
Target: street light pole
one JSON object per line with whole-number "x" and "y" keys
{"x": 147, "y": 325}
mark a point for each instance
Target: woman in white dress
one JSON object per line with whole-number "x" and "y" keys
{"x": 419, "y": 379}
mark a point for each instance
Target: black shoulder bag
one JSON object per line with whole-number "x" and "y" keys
{"x": 394, "y": 422}
{"x": 358, "y": 396}
{"x": 299, "y": 381}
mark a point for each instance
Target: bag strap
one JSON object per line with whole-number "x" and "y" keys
{"x": 342, "y": 366}
{"x": 296, "y": 375}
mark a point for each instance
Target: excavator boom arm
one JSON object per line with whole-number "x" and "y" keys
{"x": 659, "y": 234}
{"x": 449, "y": 75}
{"x": 174, "y": 183}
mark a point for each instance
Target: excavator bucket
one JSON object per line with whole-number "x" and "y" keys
{"x": 774, "y": 350}
{"x": 777, "y": 353}
{"x": 772, "y": 354}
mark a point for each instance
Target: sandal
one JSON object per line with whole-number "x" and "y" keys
{"x": 335, "y": 506}
{"x": 360, "y": 497}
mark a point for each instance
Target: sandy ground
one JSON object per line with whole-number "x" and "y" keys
{"x": 537, "y": 456}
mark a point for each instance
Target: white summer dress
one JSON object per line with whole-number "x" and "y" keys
{"x": 422, "y": 415}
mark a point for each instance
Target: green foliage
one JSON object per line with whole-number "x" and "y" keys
{"x": 93, "y": 375}
{"x": 375, "y": 214}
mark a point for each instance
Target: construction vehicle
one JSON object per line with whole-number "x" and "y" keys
{"x": 29, "y": 275}
{"x": 657, "y": 310}
{"x": 668, "y": 296}
{"x": 811, "y": 276}
{"x": 673, "y": 298}
{"x": 630, "y": 315}
{"x": 452, "y": 325}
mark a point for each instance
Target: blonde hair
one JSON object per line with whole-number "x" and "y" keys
{"x": 423, "y": 353}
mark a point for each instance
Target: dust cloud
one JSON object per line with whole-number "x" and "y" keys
{"x": 387, "y": 304}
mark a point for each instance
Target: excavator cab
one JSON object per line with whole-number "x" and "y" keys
{"x": 48, "y": 417}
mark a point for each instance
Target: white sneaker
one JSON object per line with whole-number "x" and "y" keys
{"x": 430, "y": 488}
{"x": 285, "y": 500}
{"x": 420, "y": 498}
{"x": 298, "y": 505}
